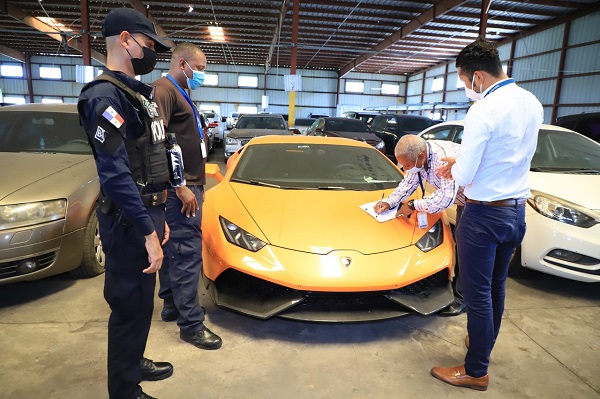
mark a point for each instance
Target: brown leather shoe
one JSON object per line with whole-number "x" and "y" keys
{"x": 458, "y": 377}
{"x": 467, "y": 341}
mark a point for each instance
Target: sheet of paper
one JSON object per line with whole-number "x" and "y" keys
{"x": 380, "y": 217}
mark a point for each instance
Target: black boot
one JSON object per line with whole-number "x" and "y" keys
{"x": 155, "y": 371}
{"x": 169, "y": 313}
{"x": 203, "y": 339}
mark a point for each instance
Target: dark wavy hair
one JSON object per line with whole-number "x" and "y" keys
{"x": 480, "y": 55}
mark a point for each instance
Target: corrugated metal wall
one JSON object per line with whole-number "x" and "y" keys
{"x": 535, "y": 67}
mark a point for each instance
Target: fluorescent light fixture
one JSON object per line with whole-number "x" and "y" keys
{"x": 217, "y": 33}
{"x": 54, "y": 23}
{"x": 190, "y": 9}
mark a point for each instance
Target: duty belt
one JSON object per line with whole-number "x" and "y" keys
{"x": 154, "y": 199}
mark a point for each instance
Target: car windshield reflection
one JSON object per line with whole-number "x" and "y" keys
{"x": 316, "y": 166}
{"x": 56, "y": 132}
{"x": 564, "y": 151}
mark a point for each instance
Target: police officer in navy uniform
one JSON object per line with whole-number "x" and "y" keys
{"x": 128, "y": 139}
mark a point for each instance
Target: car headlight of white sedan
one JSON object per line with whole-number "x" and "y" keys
{"x": 380, "y": 145}
{"x": 31, "y": 213}
{"x": 562, "y": 210}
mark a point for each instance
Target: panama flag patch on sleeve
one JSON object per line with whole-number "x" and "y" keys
{"x": 113, "y": 117}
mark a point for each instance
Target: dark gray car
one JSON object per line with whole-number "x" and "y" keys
{"x": 390, "y": 127}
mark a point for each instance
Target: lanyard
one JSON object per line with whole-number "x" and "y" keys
{"x": 428, "y": 166}
{"x": 189, "y": 100}
{"x": 499, "y": 85}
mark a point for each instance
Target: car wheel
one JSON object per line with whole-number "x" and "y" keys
{"x": 92, "y": 263}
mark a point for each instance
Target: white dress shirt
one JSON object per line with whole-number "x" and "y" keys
{"x": 498, "y": 143}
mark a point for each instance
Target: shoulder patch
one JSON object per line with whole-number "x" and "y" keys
{"x": 113, "y": 117}
{"x": 100, "y": 134}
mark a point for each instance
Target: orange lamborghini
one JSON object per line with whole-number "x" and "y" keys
{"x": 284, "y": 235}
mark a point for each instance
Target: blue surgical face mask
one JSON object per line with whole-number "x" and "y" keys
{"x": 196, "y": 80}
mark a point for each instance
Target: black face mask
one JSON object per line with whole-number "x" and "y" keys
{"x": 146, "y": 64}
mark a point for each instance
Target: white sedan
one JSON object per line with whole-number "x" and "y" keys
{"x": 563, "y": 214}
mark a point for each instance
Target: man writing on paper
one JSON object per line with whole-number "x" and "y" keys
{"x": 419, "y": 159}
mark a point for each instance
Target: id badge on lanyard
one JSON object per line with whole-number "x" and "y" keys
{"x": 203, "y": 148}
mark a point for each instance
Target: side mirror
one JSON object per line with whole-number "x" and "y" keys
{"x": 294, "y": 131}
{"x": 213, "y": 170}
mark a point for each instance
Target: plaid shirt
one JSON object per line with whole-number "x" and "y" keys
{"x": 448, "y": 192}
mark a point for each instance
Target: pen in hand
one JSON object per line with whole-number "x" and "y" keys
{"x": 380, "y": 201}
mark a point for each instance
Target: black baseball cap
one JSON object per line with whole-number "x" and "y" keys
{"x": 133, "y": 21}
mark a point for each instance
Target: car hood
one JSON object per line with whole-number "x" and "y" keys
{"x": 360, "y": 136}
{"x": 26, "y": 169}
{"x": 320, "y": 221}
{"x": 245, "y": 133}
{"x": 581, "y": 189}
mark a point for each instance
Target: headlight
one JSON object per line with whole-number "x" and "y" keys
{"x": 380, "y": 145}
{"x": 232, "y": 141}
{"x": 433, "y": 238}
{"x": 240, "y": 237}
{"x": 562, "y": 210}
{"x": 31, "y": 213}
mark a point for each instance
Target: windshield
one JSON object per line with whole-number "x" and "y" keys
{"x": 303, "y": 122}
{"x": 346, "y": 125}
{"x": 316, "y": 166}
{"x": 565, "y": 151}
{"x": 250, "y": 122}
{"x": 42, "y": 132}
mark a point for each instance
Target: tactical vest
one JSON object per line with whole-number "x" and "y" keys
{"x": 147, "y": 153}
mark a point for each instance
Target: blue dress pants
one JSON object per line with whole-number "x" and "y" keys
{"x": 180, "y": 272}
{"x": 130, "y": 294}
{"x": 486, "y": 237}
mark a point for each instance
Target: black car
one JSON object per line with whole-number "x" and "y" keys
{"x": 390, "y": 127}
{"x": 347, "y": 128}
{"x": 586, "y": 123}
{"x": 365, "y": 116}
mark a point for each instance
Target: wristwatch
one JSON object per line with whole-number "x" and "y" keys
{"x": 411, "y": 204}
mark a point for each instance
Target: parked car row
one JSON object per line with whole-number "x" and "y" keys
{"x": 47, "y": 201}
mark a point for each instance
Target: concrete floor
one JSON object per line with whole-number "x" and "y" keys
{"x": 53, "y": 345}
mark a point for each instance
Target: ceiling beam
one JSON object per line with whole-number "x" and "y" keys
{"x": 275, "y": 39}
{"x": 12, "y": 53}
{"x": 435, "y": 11}
{"x": 51, "y": 31}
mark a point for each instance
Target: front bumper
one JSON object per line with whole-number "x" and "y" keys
{"x": 545, "y": 235}
{"x": 277, "y": 282}
{"x": 45, "y": 244}
{"x": 261, "y": 299}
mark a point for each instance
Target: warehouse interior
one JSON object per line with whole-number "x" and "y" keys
{"x": 347, "y": 55}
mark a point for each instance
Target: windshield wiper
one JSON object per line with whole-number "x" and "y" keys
{"x": 331, "y": 188}
{"x": 256, "y": 183}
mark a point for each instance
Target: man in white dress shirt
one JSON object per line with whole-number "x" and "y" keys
{"x": 498, "y": 143}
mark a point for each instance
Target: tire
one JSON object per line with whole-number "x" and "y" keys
{"x": 515, "y": 269}
{"x": 92, "y": 263}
